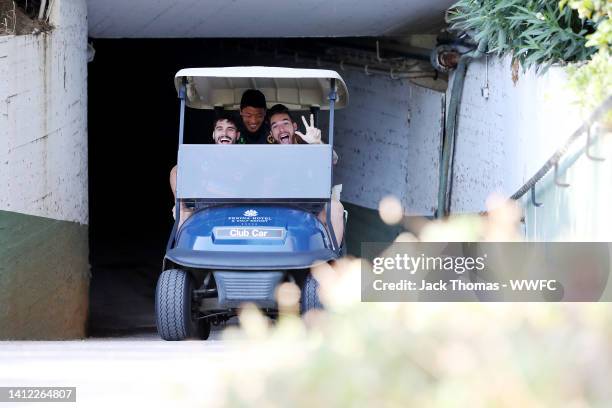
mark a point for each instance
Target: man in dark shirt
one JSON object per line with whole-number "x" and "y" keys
{"x": 254, "y": 128}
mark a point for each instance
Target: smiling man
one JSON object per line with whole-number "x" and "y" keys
{"x": 283, "y": 129}
{"x": 225, "y": 131}
{"x": 253, "y": 127}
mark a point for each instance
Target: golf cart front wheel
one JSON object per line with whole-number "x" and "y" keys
{"x": 173, "y": 304}
{"x": 310, "y": 295}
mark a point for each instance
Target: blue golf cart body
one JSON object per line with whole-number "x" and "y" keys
{"x": 254, "y": 221}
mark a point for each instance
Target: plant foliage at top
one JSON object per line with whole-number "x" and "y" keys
{"x": 599, "y": 11}
{"x": 593, "y": 81}
{"x": 536, "y": 32}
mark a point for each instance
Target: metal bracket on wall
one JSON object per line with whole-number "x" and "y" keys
{"x": 600, "y": 111}
{"x": 533, "y": 197}
{"x": 589, "y": 143}
{"x": 381, "y": 59}
{"x": 557, "y": 182}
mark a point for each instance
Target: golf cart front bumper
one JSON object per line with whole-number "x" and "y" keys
{"x": 249, "y": 261}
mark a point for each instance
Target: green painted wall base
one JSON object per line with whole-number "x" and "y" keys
{"x": 44, "y": 278}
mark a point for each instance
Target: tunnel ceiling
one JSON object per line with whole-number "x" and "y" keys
{"x": 270, "y": 18}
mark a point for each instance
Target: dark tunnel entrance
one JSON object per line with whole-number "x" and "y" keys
{"x": 133, "y": 122}
{"x": 133, "y": 127}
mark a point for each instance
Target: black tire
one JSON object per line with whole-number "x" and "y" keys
{"x": 173, "y": 304}
{"x": 310, "y": 295}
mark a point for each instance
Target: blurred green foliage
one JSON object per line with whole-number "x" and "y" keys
{"x": 435, "y": 354}
{"x": 592, "y": 81}
{"x": 599, "y": 11}
{"x": 536, "y": 33}
{"x": 358, "y": 354}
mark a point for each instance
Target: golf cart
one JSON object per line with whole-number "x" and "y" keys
{"x": 254, "y": 223}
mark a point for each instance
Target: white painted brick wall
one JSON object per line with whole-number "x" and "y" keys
{"x": 388, "y": 141}
{"x": 43, "y": 118}
{"x": 503, "y": 140}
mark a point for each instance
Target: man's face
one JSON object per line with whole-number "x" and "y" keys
{"x": 282, "y": 128}
{"x": 225, "y": 132}
{"x": 252, "y": 117}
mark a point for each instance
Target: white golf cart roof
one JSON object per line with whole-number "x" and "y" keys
{"x": 298, "y": 89}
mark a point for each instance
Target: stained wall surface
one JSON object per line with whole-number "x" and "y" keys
{"x": 389, "y": 142}
{"x": 503, "y": 139}
{"x": 44, "y": 270}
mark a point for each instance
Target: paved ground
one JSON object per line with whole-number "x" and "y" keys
{"x": 134, "y": 369}
{"x": 124, "y": 363}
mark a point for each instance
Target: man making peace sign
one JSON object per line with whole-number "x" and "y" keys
{"x": 283, "y": 130}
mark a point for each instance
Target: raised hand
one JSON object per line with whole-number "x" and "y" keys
{"x": 313, "y": 135}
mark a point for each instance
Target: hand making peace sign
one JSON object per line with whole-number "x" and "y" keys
{"x": 313, "y": 135}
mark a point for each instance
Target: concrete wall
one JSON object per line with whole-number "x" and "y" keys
{"x": 274, "y": 18}
{"x": 44, "y": 269}
{"x": 389, "y": 142}
{"x": 504, "y": 139}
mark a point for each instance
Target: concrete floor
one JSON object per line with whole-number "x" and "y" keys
{"x": 135, "y": 369}
{"x": 124, "y": 362}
